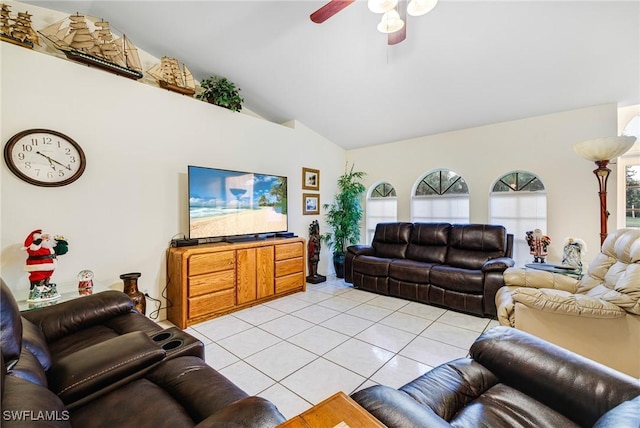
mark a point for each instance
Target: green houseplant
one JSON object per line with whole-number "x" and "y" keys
{"x": 221, "y": 92}
{"x": 344, "y": 215}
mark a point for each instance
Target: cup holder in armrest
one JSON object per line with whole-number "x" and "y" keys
{"x": 172, "y": 344}
{"x": 160, "y": 337}
{"x": 177, "y": 343}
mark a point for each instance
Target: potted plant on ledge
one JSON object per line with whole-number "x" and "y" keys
{"x": 221, "y": 92}
{"x": 343, "y": 217}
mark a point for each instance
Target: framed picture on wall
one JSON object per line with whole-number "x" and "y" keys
{"x": 310, "y": 179}
{"x": 310, "y": 204}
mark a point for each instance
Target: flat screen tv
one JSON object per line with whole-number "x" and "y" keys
{"x": 226, "y": 204}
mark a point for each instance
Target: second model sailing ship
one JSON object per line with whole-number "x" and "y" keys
{"x": 97, "y": 46}
{"x": 173, "y": 76}
{"x": 17, "y": 30}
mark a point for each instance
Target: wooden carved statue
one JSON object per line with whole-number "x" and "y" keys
{"x": 313, "y": 254}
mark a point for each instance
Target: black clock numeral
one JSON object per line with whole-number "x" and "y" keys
{"x": 50, "y": 174}
{"x": 60, "y": 173}
{"x": 27, "y": 165}
{"x": 48, "y": 141}
{"x": 34, "y": 142}
{"x": 28, "y": 148}
{"x": 21, "y": 156}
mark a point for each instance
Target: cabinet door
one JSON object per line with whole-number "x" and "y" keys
{"x": 265, "y": 272}
{"x": 246, "y": 275}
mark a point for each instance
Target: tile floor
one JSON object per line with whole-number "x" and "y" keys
{"x": 298, "y": 350}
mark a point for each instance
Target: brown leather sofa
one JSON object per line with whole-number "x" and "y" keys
{"x": 511, "y": 379}
{"x": 95, "y": 361}
{"x": 457, "y": 266}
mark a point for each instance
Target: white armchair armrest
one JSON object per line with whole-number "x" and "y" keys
{"x": 565, "y": 303}
{"x": 533, "y": 278}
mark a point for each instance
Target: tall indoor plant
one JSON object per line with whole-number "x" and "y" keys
{"x": 344, "y": 215}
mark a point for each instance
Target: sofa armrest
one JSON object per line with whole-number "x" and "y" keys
{"x": 533, "y": 278}
{"x": 361, "y": 250}
{"x": 498, "y": 264}
{"x": 563, "y": 302}
{"x": 68, "y": 317}
{"x": 247, "y": 412}
{"x": 95, "y": 367}
{"x": 571, "y": 384}
{"x": 396, "y": 409}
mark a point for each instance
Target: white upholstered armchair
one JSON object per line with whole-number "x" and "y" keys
{"x": 597, "y": 316}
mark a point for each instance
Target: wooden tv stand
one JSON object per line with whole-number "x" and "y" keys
{"x": 210, "y": 280}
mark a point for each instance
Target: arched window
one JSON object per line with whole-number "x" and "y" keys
{"x": 382, "y": 207}
{"x": 518, "y": 201}
{"x": 629, "y": 179}
{"x": 441, "y": 196}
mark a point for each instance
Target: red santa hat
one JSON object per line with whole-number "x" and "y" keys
{"x": 36, "y": 234}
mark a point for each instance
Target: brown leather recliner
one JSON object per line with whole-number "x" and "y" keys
{"x": 101, "y": 372}
{"x": 456, "y": 266}
{"x": 511, "y": 379}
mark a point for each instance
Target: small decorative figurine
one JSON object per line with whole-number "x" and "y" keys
{"x": 43, "y": 249}
{"x": 313, "y": 253}
{"x": 131, "y": 289}
{"x": 572, "y": 252}
{"x": 538, "y": 244}
{"x": 85, "y": 282}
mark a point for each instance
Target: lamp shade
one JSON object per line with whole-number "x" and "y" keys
{"x": 606, "y": 148}
{"x": 390, "y": 22}
{"x": 381, "y": 6}
{"x": 420, "y": 7}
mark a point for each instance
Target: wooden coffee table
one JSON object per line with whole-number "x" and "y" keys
{"x": 337, "y": 411}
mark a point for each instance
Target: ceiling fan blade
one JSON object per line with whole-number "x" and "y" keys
{"x": 328, "y": 10}
{"x": 401, "y": 34}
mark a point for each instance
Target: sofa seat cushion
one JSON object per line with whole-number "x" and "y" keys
{"x": 410, "y": 271}
{"x": 457, "y": 279}
{"x": 372, "y": 265}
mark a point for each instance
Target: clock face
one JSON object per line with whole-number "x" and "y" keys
{"x": 44, "y": 157}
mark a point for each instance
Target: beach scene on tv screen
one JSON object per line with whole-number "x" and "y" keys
{"x": 227, "y": 203}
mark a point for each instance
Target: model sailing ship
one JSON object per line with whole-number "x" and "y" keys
{"x": 97, "y": 47}
{"x": 173, "y": 76}
{"x": 17, "y": 30}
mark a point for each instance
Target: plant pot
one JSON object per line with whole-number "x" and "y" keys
{"x": 338, "y": 264}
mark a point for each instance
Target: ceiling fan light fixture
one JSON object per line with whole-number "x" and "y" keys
{"x": 390, "y": 22}
{"x": 381, "y": 6}
{"x": 420, "y": 7}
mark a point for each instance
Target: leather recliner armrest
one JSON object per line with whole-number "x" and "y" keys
{"x": 95, "y": 367}
{"x": 499, "y": 264}
{"x": 361, "y": 250}
{"x": 68, "y": 317}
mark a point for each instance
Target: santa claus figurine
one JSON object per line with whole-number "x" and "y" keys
{"x": 43, "y": 249}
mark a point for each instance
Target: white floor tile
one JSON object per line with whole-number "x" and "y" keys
{"x": 288, "y": 403}
{"x": 406, "y": 322}
{"x": 360, "y": 357}
{"x": 288, "y": 304}
{"x": 286, "y": 326}
{"x": 347, "y": 324}
{"x": 399, "y": 371}
{"x": 247, "y": 378}
{"x": 312, "y": 296}
{"x": 315, "y": 313}
{"x": 219, "y": 328}
{"x": 320, "y": 379}
{"x": 218, "y": 357}
{"x": 423, "y": 311}
{"x": 370, "y": 312}
{"x": 388, "y": 302}
{"x": 248, "y": 342}
{"x": 257, "y": 315}
{"x": 318, "y": 340}
{"x": 386, "y": 337}
{"x": 358, "y": 295}
{"x": 469, "y": 322}
{"x": 451, "y": 335}
{"x": 339, "y": 304}
{"x": 333, "y": 289}
{"x": 280, "y": 360}
{"x": 431, "y": 352}
{"x": 195, "y": 333}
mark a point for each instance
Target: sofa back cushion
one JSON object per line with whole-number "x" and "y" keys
{"x": 428, "y": 242}
{"x": 391, "y": 240}
{"x": 471, "y": 245}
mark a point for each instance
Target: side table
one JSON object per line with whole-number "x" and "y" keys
{"x": 337, "y": 411}
{"x": 560, "y": 269}
{"x": 67, "y": 290}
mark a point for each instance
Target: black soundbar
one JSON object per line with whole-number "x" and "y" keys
{"x": 184, "y": 242}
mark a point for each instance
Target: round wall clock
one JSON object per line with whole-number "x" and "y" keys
{"x": 44, "y": 157}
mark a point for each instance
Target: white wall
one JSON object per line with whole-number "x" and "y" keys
{"x": 138, "y": 139}
{"x": 542, "y": 145}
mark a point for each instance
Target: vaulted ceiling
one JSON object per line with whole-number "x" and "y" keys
{"x": 464, "y": 64}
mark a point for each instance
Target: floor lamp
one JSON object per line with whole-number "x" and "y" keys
{"x": 601, "y": 151}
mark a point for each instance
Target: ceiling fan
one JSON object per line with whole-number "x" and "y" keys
{"x": 394, "y": 14}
